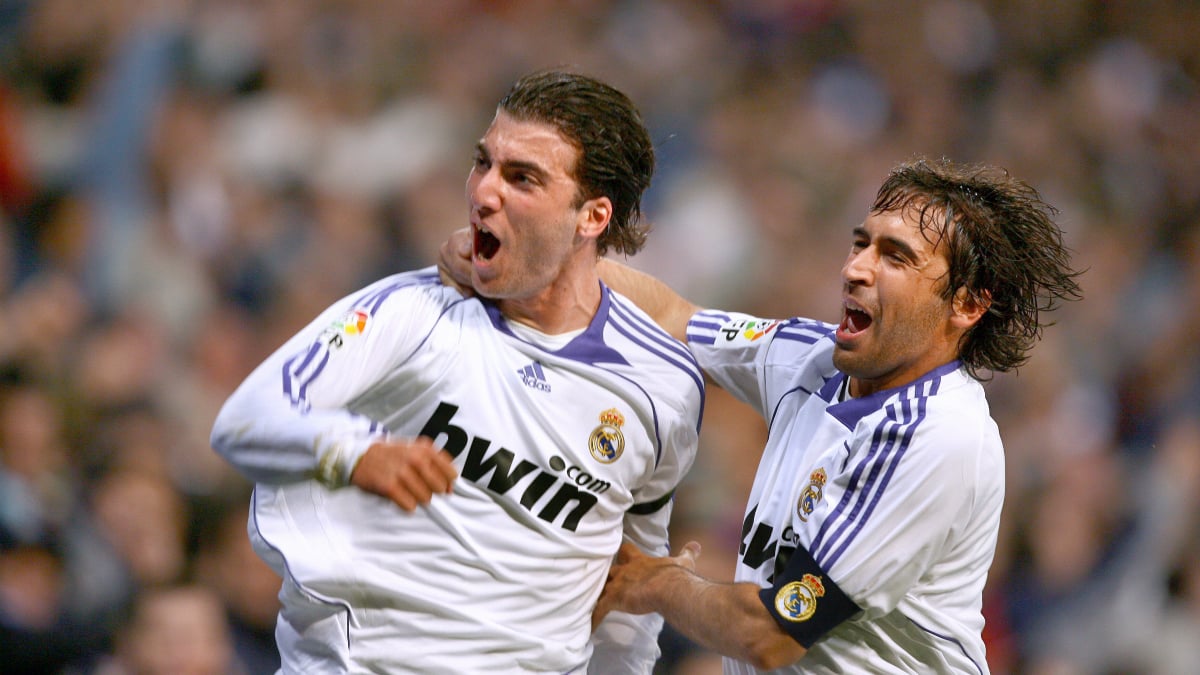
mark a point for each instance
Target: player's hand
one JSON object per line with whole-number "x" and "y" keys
{"x": 631, "y": 579}
{"x": 408, "y": 472}
{"x": 454, "y": 261}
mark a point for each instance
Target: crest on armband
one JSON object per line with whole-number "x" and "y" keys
{"x": 797, "y": 601}
{"x": 607, "y": 441}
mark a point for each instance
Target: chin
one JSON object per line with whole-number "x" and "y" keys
{"x": 844, "y": 360}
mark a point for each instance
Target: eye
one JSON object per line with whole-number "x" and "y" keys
{"x": 524, "y": 178}
{"x": 481, "y": 161}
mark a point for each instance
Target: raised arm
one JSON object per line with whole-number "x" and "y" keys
{"x": 669, "y": 309}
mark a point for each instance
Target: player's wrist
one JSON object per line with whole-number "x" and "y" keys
{"x": 336, "y": 464}
{"x": 669, "y": 580}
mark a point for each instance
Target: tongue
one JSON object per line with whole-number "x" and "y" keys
{"x": 857, "y": 321}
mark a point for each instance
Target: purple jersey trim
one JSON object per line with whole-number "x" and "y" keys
{"x": 871, "y": 477}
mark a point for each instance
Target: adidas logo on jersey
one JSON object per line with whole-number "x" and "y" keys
{"x": 533, "y": 377}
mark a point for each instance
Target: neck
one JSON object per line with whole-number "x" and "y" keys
{"x": 558, "y": 309}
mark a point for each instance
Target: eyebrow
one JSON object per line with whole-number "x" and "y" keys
{"x": 898, "y": 244}
{"x": 518, "y": 164}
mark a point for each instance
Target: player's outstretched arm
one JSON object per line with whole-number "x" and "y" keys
{"x": 726, "y": 618}
{"x": 669, "y": 309}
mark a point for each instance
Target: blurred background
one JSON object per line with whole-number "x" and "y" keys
{"x": 183, "y": 184}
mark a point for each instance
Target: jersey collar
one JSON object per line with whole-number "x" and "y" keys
{"x": 849, "y": 412}
{"x": 587, "y": 347}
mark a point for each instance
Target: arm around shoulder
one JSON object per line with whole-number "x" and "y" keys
{"x": 669, "y": 309}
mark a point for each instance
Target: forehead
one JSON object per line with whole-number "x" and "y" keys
{"x": 903, "y": 226}
{"x": 511, "y": 140}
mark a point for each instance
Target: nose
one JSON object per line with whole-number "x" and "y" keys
{"x": 483, "y": 188}
{"x": 858, "y": 268}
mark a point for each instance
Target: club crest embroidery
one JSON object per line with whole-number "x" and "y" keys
{"x": 811, "y": 495}
{"x": 351, "y": 324}
{"x": 797, "y": 601}
{"x": 607, "y": 442}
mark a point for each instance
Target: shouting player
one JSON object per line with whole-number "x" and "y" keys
{"x": 873, "y": 517}
{"x": 443, "y": 481}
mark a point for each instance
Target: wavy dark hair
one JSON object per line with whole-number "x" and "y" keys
{"x": 1003, "y": 246}
{"x": 616, "y": 156}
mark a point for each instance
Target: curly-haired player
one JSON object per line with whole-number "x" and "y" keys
{"x": 873, "y": 518}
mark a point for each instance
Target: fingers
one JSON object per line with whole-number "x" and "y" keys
{"x": 408, "y": 473}
{"x": 627, "y": 552}
{"x": 454, "y": 261}
{"x": 432, "y": 469}
{"x": 689, "y": 555}
{"x": 404, "y": 497}
{"x": 444, "y": 464}
{"x": 603, "y": 607}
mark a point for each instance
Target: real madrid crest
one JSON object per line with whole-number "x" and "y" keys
{"x": 811, "y": 495}
{"x": 607, "y": 442}
{"x": 797, "y": 601}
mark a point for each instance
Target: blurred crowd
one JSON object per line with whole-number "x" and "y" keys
{"x": 185, "y": 183}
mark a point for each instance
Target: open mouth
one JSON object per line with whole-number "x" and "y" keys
{"x": 486, "y": 244}
{"x": 854, "y": 321}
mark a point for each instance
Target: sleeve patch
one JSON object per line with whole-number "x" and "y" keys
{"x": 805, "y": 602}
{"x": 743, "y": 331}
{"x": 352, "y": 324}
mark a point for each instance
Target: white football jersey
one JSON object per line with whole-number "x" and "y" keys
{"x": 560, "y": 450}
{"x": 872, "y": 522}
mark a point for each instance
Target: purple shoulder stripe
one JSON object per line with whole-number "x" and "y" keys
{"x": 652, "y": 338}
{"x": 372, "y": 299}
{"x": 297, "y": 375}
{"x": 873, "y": 473}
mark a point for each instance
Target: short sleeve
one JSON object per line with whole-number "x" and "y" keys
{"x": 731, "y": 349}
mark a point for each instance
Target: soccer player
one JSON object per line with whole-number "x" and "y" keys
{"x": 874, "y": 514}
{"x": 443, "y": 481}
{"x": 873, "y": 517}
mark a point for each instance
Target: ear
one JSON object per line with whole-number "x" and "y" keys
{"x": 966, "y": 310}
{"x": 593, "y": 217}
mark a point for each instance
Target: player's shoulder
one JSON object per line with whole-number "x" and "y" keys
{"x": 724, "y": 329}
{"x": 955, "y": 418}
{"x": 640, "y": 339}
{"x": 658, "y": 362}
{"x": 407, "y": 290}
{"x": 952, "y": 394}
